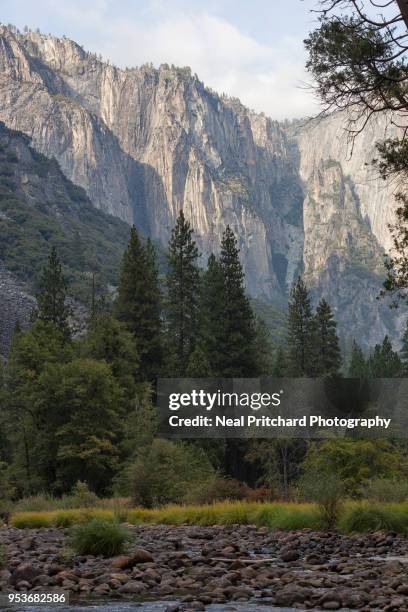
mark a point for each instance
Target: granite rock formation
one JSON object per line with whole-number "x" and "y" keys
{"x": 144, "y": 142}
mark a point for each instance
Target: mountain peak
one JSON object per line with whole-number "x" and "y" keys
{"x": 146, "y": 142}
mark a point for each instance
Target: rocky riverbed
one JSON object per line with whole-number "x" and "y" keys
{"x": 200, "y": 568}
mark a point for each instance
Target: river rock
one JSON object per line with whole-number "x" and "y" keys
{"x": 290, "y": 555}
{"x": 141, "y": 555}
{"x": 133, "y": 586}
{"x": 331, "y": 605}
{"x": 24, "y": 572}
{"x": 121, "y": 562}
{"x": 290, "y": 595}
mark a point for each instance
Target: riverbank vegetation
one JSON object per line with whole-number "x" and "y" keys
{"x": 81, "y": 407}
{"x": 354, "y": 517}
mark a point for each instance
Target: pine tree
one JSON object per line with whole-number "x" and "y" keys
{"x": 109, "y": 340}
{"x": 301, "y": 332}
{"x": 52, "y": 304}
{"x": 280, "y": 365}
{"x": 211, "y": 313}
{"x": 138, "y": 303}
{"x": 198, "y": 365}
{"x": 263, "y": 348}
{"x": 327, "y": 341}
{"x": 358, "y": 367}
{"x": 236, "y": 342}
{"x": 384, "y": 362}
{"x": 183, "y": 286}
{"x": 404, "y": 352}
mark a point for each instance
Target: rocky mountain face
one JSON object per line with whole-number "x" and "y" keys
{"x": 145, "y": 142}
{"x": 40, "y": 206}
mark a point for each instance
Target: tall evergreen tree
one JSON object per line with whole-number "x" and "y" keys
{"x": 301, "y": 332}
{"x": 384, "y": 362}
{"x": 198, "y": 365}
{"x": 263, "y": 348}
{"x": 183, "y": 286}
{"x": 211, "y": 313}
{"x": 327, "y": 341}
{"x": 30, "y": 431}
{"x": 358, "y": 367}
{"x": 236, "y": 343}
{"x": 138, "y": 303}
{"x": 280, "y": 366}
{"x": 52, "y": 304}
{"x": 109, "y": 340}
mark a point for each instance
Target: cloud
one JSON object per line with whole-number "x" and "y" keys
{"x": 266, "y": 77}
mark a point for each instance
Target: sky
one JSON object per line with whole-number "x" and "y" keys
{"x": 250, "y": 49}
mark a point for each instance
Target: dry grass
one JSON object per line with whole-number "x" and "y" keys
{"x": 285, "y": 516}
{"x": 355, "y": 516}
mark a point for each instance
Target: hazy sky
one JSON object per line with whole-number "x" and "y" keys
{"x": 252, "y": 49}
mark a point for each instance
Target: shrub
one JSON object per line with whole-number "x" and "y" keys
{"x": 46, "y": 502}
{"x": 259, "y": 494}
{"x": 364, "y": 517}
{"x": 36, "y": 503}
{"x": 66, "y": 556}
{"x": 356, "y": 461}
{"x": 385, "y": 490}
{"x": 167, "y": 473}
{"x": 99, "y": 537}
{"x": 82, "y": 496}
{"x": 287, "y": 516}
{"x": 327, "y": 491}
{"x": 221, "y": 489}
{"x": 227, "y": 489}
{"x": 60, "y": 518}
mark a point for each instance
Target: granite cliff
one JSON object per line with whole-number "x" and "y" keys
{"x": 40, "y": 206}
{"x": 144, "y": 142}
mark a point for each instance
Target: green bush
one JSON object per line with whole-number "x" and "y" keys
{"x": 36, "y": 503}
{"x": 99, "y": 537}
{"x": 385, "y": 490}
{"x": 355, "y": 462}
{"x": 287, "y": 516}
{"x": 168, "y": 472}
{"x": 82, "y": 496}
{"x": 221, "y": 489}
{"x": 363, "y": 518}
{"x": 327, "y": 491}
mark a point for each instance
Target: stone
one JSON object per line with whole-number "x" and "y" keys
{"x": 24, "y": 572}
{"x": 133, "y": 586}
{"x": 121, "y": 562}
{"x": 290, "y": 555}
{"x": 331, "y": 605}
{"x": 5, "y": 575}
{"x": 140, "y": 555}
{"x": 102, "y": 589}
{"x": 23, "y": 585}
{"x": 290, "y": 595}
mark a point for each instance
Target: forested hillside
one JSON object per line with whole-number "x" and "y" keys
{"x": 40, "y": 207}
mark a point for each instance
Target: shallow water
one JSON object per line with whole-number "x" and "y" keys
{"x": 401, "y": 559}
{"x": 159, "y": 606}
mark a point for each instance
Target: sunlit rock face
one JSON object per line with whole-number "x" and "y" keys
{"x": 147, "y": 142}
